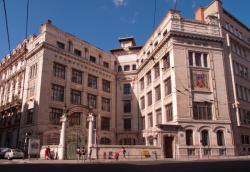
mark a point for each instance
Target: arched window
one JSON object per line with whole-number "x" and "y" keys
{"x": 53, "y": 139}
{"x": 204, "y": 138}
{"x": 220, "y": 138}
{"x": 189, "y": 137}
{"x": 105, "y": 141}
{"x": 75, "y": 119}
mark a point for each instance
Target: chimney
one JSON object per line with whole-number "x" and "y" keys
{"x": 199, "y": 14}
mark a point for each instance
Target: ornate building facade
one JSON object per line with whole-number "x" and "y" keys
{"x": 175, "y": 92}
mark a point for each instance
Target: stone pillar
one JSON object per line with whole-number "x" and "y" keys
{"x": 61, "y": 147}
{"x": 91, "y": 137}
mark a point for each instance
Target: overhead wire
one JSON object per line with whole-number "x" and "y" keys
{"x": 27, "y": 19}
{"x": 6, "y": 25}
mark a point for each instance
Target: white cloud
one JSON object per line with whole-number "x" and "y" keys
{"x": 119, "y": 3}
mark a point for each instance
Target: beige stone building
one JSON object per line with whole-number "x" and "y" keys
{"x": 185, "y": 91}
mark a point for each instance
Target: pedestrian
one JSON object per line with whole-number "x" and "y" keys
{"x": 46, "y": 154}
{"x": 90, "y": 153}
{"x": 117, "y": 155}
{"x": 49, "y": 154}
{"x": 78, "y": 153}
{"x": 124, "y": 152}
{"x": 83, "y": 153}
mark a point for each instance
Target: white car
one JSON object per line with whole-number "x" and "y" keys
{"x": 14, "y": 153}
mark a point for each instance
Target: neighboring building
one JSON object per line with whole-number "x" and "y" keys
{"x": 184, "y": 90}
{"x": 237, "y": 63}
{"x": 127, "y": 119}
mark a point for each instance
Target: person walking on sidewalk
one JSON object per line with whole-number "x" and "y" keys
{"x": 124, "y": 152}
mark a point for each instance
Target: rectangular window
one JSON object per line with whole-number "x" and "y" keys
{"x": 92, "y": 81}
{"x": 149, "y": 96}
{"x": 127, "y": 124}
{"x": 143, "y": 102}
{"x": 143, "y": 122}
{"x": 30, "y": 114}
{"x": 75, "y": 97}
{"x": 167, "y": 85}
{"x": 55, "y": 115}
{"x": 190, "y": 58}
{"x": 202, "y": 111}
{"x": 142, "y": 83}
{"x": 158, "y": 116}
{"x": 106, "y": 85}
{"x": 119, "y": 69}
{"x": 157, "y": 70}
{"x": 198, "y": 59}
{"x": 92, "y": 59}
{"x": 106, "y": 64}
{"x": 149, "y": 80}
{"x": 105, "y": 104}
{"x": 60, "y": 45}
{"x": 33, "y": 71}
{"x": 169, "y": 112}
{"x": 134, "y": 67}
{"x": 57, "y": 93}
{"x": 126, "y": 68}
{"x": 92, "y": 101}
{"x": 150, "y": 120}
{"x": 157, "y": 93}
{"x": 166, "y": 62}
{"x": 205, "y": 60}
{"x": 126, "y": 106}
{"x": 105, "y": 123}
{"x": 59, "y": 70}
{"x": 76, "y": 76}
{"x": 126, "y": 89}
{"x": 77, "y": 52}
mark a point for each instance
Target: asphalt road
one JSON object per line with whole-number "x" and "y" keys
{"x": 148, "y": 166}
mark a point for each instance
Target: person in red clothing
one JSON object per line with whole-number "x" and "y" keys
{"x": 46, "y": 154}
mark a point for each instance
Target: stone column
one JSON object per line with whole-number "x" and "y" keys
{"x": 91, "y": 136}
{"x": 61, "y": 147}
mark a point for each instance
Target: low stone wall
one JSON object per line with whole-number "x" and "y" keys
{"x": 132, "y": 152}
{"x": 53, "y": 151}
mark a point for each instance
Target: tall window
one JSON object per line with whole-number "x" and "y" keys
{"x": 202, "y": 110}
{"x": 105, "y": 141}
{"x": 127, "y": 106}
{"x": 55, "y": 115}
{"x": 157, "y": 93}
{"x": 105, "y": 104}
{"x": 33, "y": 71}
{"x": 198, "y": 59}
{"x": 106, "y": 85}
{"x": 92, "y": 101}
{"x": 126, "y": 88}
{"x": 149, "y": 80}
{"x": 105, "y": 123}
{"x": 76, "y": 76}
{"x": 30, "y": 114}
{"x": 158, "y": 116}
{"x": 134, "y": 67}
{"x": 220, "y": 138}
{"x": 157, "y": 70}
{"x": 119, "y": 69}
{"x": 142, "y": 83}
{"x": 57, "y": 93}
{"x": 169, "y": 112}
{"x": 189, "y": 137}
{"x": 75, "y": 97}
{"x": 167, "y": 85}
{"x": 150, "y": 120}
{"x": 75, "y": 119}
{"x": 166, "y": 62}
{"x": 127, "y": 124}
{"x": 204, "y": 138}
{"x": 92, "y": 81}
{"x": 143, "y": 102}
{"x": 59, "y": 70}
{"x": 149, "y": 96}
{"x": 143, "y": 122}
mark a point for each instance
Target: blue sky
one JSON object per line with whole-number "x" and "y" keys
{"x": 100, "y": 22}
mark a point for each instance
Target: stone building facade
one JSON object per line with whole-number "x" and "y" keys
{"x": 176, "y": 92}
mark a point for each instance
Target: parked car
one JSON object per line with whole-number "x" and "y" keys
{"x": 3, "y": 151}
{"x": 14, "y": 153}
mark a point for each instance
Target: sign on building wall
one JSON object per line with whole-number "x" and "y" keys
{"x": 34, "y": 146}
{"x": 200, "y": 80}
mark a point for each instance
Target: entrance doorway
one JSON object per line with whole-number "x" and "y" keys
{"x": 168, "y": 146}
